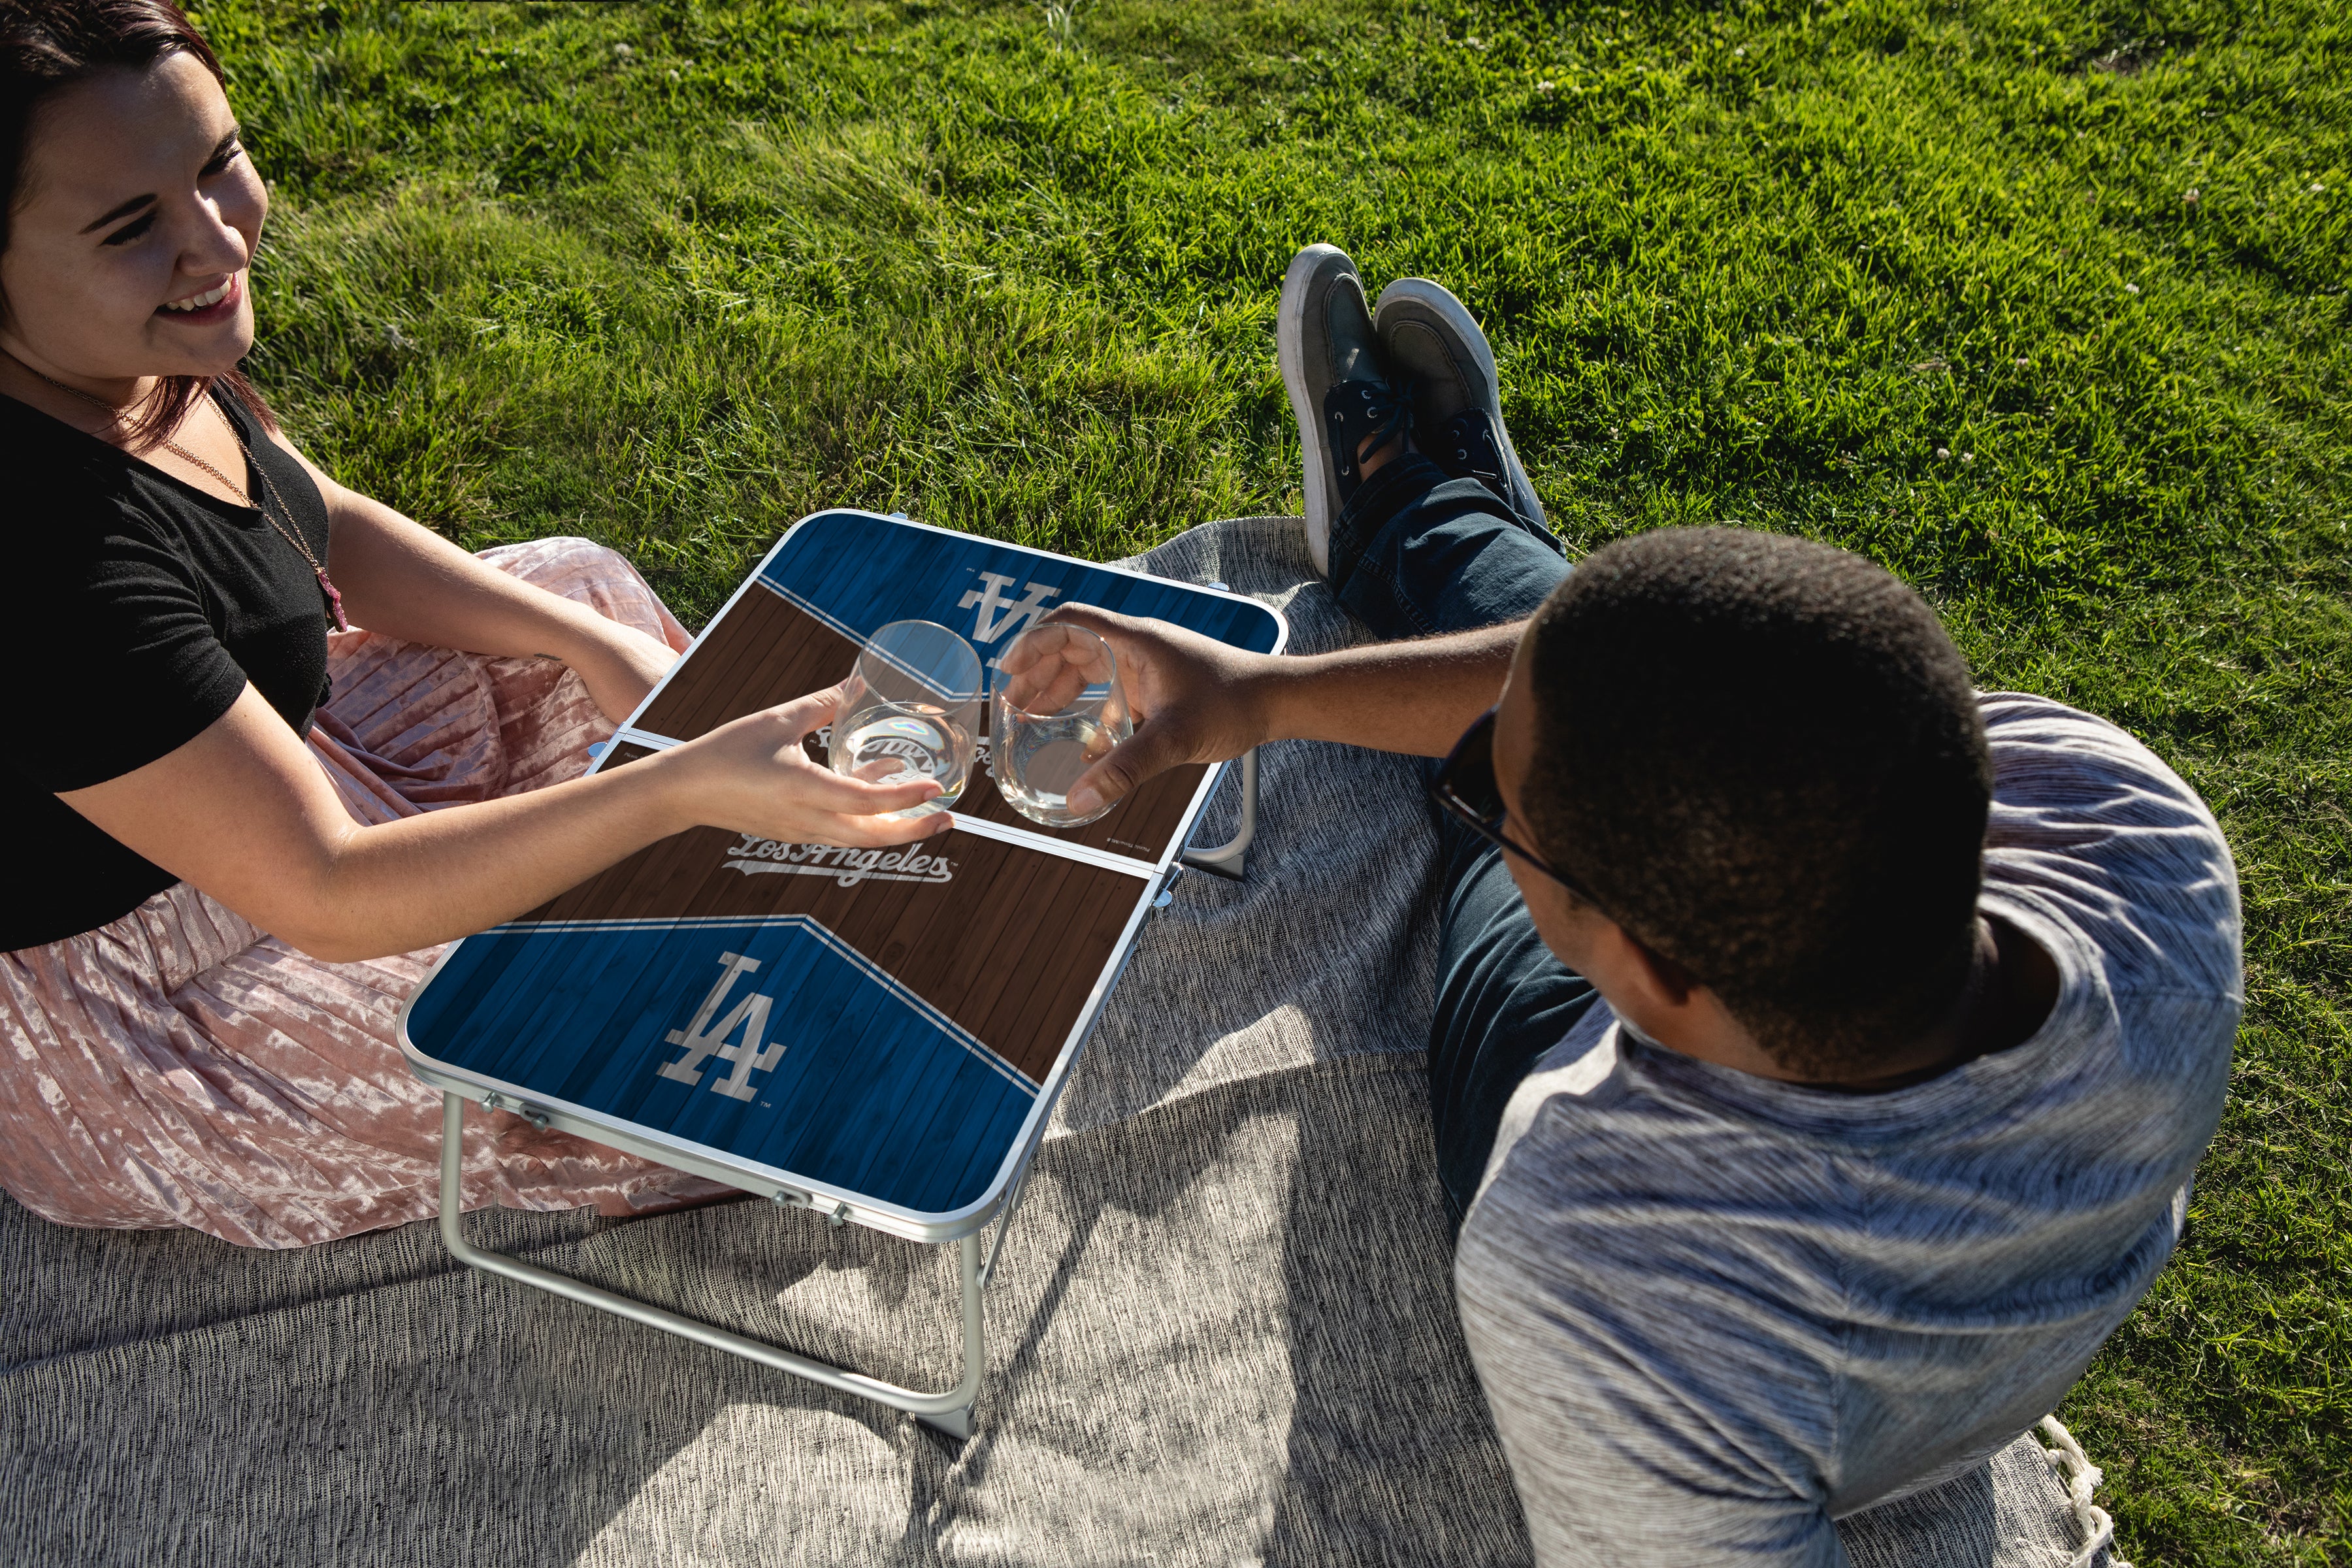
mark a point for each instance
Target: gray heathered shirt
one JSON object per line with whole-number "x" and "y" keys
{"x": 1714, "y": 1312}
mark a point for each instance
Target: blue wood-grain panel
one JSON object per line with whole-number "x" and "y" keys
{"x": 862, "y": 572}
{"x": 871, "y": 1092}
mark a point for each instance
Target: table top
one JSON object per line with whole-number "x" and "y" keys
{"x": 882, "y": 1029}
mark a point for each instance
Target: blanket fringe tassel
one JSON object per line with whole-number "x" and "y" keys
{"x": 2074, "y": 1468}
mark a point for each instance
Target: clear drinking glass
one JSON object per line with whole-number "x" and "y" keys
{"x": 1056, "y": 708}
{"x": 912, "y": 712}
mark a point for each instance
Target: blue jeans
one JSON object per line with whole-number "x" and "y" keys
{"x": 1416, "y": 555}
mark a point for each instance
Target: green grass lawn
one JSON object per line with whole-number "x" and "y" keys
{"x": 2040, "y": 304}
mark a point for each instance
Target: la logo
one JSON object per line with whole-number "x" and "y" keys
{"x": 999, "y": 616}
{"x": 703, "y": 1039}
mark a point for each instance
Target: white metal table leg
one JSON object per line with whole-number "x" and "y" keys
{"x": 1229, "y": 858}
{"x": 950, "y": 1412}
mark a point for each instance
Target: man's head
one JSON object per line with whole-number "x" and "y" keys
{"x": 1764, "y": 758}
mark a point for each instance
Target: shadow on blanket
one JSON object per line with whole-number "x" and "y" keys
{"x": 1223, "y": 1329}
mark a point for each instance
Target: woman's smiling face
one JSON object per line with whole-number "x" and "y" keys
{"x": 137, "y": 214}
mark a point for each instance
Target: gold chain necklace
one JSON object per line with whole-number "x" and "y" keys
{"x": 291, "y": 534}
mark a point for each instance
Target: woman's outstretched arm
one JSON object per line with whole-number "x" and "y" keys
{"x": 245, "y": 813}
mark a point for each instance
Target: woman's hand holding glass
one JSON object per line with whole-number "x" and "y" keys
{"x": 755, "y": 776}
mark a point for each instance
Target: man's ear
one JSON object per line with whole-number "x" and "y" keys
{"x": 1674, "y": 982}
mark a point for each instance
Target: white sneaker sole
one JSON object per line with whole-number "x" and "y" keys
{"x": 1290, "y": 352}
{"x": 1438, "y": 301}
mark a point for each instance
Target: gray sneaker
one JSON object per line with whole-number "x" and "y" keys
{"x": 1338, "y": 380}
{"x": 1436, "y": 348}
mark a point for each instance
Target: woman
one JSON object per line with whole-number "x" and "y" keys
{"x": 200, "y": 760}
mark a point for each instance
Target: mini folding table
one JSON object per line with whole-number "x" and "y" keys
{"x": 878, "y": 1036}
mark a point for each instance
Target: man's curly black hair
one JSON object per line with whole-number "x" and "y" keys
{"x": 1764, "y": 757}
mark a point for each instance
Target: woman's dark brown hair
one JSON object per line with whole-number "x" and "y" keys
{"x": 48, "y": 45}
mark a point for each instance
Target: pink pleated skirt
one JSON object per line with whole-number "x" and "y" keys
{"x": 182, "y": 1068}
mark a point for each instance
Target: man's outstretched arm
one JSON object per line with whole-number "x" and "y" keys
{"x": 1197, "y": 700}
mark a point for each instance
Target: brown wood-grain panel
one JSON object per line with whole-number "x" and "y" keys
{"x": 765, "y": 650}
{"x": 1010, "y": 946}
{"x": 762, "y": 651}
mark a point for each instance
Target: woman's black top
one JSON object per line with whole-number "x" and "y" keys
{"x": 141, "y": 608}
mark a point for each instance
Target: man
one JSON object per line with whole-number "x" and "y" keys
{"x": 1822, "y": 1050}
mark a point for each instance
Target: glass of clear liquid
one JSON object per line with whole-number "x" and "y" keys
{"x": 911, "y": 711}
{"x": 1055, "y": 708}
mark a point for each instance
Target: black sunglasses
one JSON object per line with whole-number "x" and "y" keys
{"x": 1463, "y": 785}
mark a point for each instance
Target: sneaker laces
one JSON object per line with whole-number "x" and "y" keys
{"x": 1470, "y": 434}
{"x": 1366, "y": 416}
